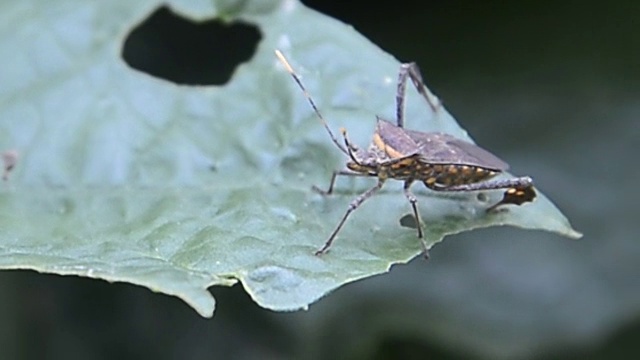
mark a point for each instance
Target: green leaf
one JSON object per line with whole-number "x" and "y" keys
{"x": 125, "y": 177}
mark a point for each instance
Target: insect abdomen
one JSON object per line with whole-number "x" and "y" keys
{"x": 454, "y": 174}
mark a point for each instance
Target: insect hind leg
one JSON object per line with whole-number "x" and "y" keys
{"x": 518, "y": 190}
{"x": 416, "y": 214}
{"x": 412, "y": 71}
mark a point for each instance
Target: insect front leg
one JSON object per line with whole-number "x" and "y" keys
{"x": 519, "y": 190}
{"x": 352, "y": 207}
{"x": 412, "y": 71}
{"x": 334, "y": 176}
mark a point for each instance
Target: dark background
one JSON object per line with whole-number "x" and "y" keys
{"x": 547, "y": 85}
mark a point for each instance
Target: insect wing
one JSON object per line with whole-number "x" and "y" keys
{"x": 394, "y": 140}
{"x": 439, "y": 148}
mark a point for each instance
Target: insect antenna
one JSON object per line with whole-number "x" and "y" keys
{"x": 295, "y": 77}
{"x": 350, "y": 147}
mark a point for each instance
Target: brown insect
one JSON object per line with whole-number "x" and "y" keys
{"x": 440, "y": 161}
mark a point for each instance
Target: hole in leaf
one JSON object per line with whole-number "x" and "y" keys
{"x": 177, "y": 49}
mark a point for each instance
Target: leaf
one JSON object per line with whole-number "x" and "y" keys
{"x": 125, "y": 177}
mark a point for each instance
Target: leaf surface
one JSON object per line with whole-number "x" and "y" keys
{"x": 126, "y": 177}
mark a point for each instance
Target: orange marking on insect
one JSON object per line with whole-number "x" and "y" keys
{"x": 393, "y": 153}
{"x": 407, "y": 161}
{"x": 445, "y": 181}
{"x": 377, "y": 140}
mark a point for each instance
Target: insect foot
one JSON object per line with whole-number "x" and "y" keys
{"x": 516, "y": 195}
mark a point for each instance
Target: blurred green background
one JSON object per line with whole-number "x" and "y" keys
{"x": 553, "y": 88}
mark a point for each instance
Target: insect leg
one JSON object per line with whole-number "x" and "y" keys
{"x": 352, "y": 207}
{"x": 413, "y": 71}
{"x": 515, "y": 195}
{"x": 519, "y": 182}
{"x": 414, "y": 206}
{"x": 335, "y": 174}
{"x": 519, "y": 190}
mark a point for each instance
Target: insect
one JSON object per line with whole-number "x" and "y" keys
{"x": 440, "y": 161}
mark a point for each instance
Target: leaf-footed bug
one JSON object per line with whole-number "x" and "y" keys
{"x": 440, "y": 161}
